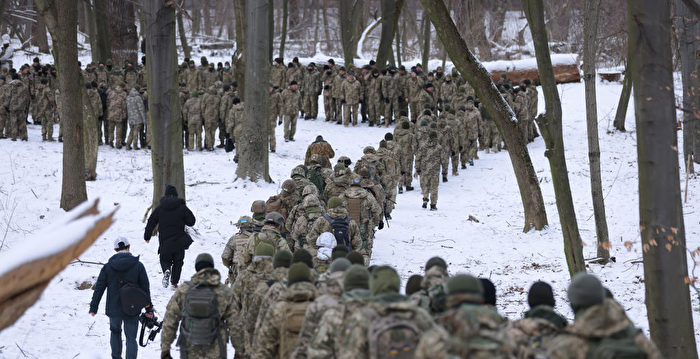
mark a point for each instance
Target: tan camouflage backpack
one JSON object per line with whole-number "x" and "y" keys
{"x": 291, "y": 327}
{"x": 393, "y": 336}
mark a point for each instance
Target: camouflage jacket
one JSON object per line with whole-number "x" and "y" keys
{"x": 414, "y": 86}
{"x": 225, "y": 104}
{"x": 210, "y": 106}
{"x": 234, "y": 120}
{"x": 351, "y": 92}
{"x": 290, "y": 102}
{"x": 471, "y": 122}
{"x": 275, "y": 103}
{"x": 334, "y": 288}
{"x": 337, "y": 86}
{"x": 358, "y": 340}
{"x": 267, "y": 234}
{"x": 95, "y": 101}
{"x": 470, "y": 331}
{"x": 278, "y": 76}
{"x": 327, "y": 339}
{"x": 370, "y": 213}
{"x": 116, "y": 104}
{"x": 424, "y": 98}
{"x": 374, "y": 88}
{"x": 210, "y": 77}
{"x": 312, "y": 83}
{"x": 406, "y": 140}
{"x": 257, "y": 305}
{"x": 389, "y": 86}
{"x": 135, "y": 108}
{"x": 173, "y": 314}
{"x": 46, "y": 102}
{"x": 447, "y": 140}
{"x": 591, "y": 324}
{"x": 276, "y": 337}
{"x": 338, "y": 184}
{"x": 192, "y": 112}
{"x": 532, "y": 96}
{"x": 522, "y": 106}
{"x": 303, "y": 216}
{"x": 19, "y": 96}
{"x": 428, "y": 158}
{"x": 234, "y": 248}
{"x": 534, "y": 332}
{"x": 259, "y": 271}
{"x": 322, "y": 225}
{"x": 321, "y": 148}
{"x": 448, "y": 90}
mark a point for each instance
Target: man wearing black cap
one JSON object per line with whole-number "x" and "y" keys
{"x": 171, "y": 216}
{"x": 291, "y": 98}
{"x": 202, "y": 304}
{"x": 121, "y": 268}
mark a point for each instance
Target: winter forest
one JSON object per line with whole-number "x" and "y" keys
{"x": 349, "y": 178}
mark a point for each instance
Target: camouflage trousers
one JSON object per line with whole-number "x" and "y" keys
{"x": 391, "y": 197}
{"x": 18, "y": 119}
{"x": 455, "y": 161}
{"x": 445, "y": 161}
{"x": 222, "y": 131}
{"x": 46, "y": 128}
{"x": 429, "y": 186}
{"x": 290, "y": 126}
{"x": 468, "y": 151}
{"x": 122, "y": 127}
{"x": 194, "y": 135}
{"x": 273, "y": 124}
{"x": 414, "y": 110}
{"x": 210, "y": 133}
{"x": 338, "y": 110}
{"x": 391, "y": 107}
{"x": 310, "y": 105}
{"x": 491, "y": 136}
{"x": 3, "y": 120}
{"x": 374, "y": 110}
{"x": 134, "y": 136}
{"x": 406, "y": 165}
{"x": 114, "y": 126}
{"x": 328, "y": 106}
{"x": 350, "y": 110}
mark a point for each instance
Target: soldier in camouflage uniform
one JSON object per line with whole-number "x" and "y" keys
{"x": 224, "y": 107}
{"x": 327, "y": 300}
{"x": 258, "y": 271}
{"x": 490, "y": 134}
{"x": 522, "y": 108}
{"x": 234, "y": 121}
{"x": 532, "y": 97}
{"x": 470, "y": 117}
{"x": 327, "y": 340}
{"x": 231, "y": 256}
{"x": 428, "y": 168}
{"x": 351, "y": 97}
{"x": 414, "y": 86}
{"x": 426, "y": 98}
{"x": 137, "y": 118}
{"x": 300, "y": 181}
{"x": 116, "y": 113}
{"x": 278, "y": 334}
{"x": 206, "y": 276}
{"x": 270, "y": 233}
{"x": 4, "y": 106}
{"x": 374, "y": 97}
{"x": 406, "y": 141}
{"x": 193, "y": 78}
{"x": 291, "y": 98}
{"x": 210, "y": 114}
{"x": 312, "y": 89}
{"x": 446, "y": 139}
{"x": 597, "y": 319}
{"x": 19, "y": 98}
{"x": 340, "y": 181}
{"x": 336, "y": 210}
{"x": 275, "y": 113}
{"x": 192, "y": 113}
{"x": 435, "y": 276}
{"x": 468, "y": 329}
{"x": 328, "y": 104}
{"x": 303, "y": 216}
{"x": 45, "y": 106}
{"x": 322, "y": 148}
{"x": 131, "y": 75}
{"x": 448, "y": 90}
{"x": 337, "y": 93}
{"x": 210, "y": 76}
{"x": 390, "y": 94}
{"x": 381, "y": 328}
{"x": 390, "y": 162}
{"x": 364, "y": 209}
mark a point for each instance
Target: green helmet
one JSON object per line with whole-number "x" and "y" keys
{"x": 298, "y": 171}
{"x": 245, "y": 222}
{"x": 275, "y": 218}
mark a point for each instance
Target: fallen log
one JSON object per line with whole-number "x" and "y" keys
{"x": 565, "y": 67}
{"x": 27, "y": 269}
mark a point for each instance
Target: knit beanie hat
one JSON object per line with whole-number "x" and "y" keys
{"x": 384, "y": 280}
{"x": 264, "y": 250}
{"x": 466, "y": 285}
{"x": 204, "y": 260}
{"x": 356, "y": 258}
{"x": 489, "y": 291}
{"x": 334, "y": 202}
{"x": 340, "y": 265}
{"x": 339, "y": 251}
{"x": 585, "y": 291}
{"x": 540, "y": 294}
{"x": 356, "y": 277}
{"x": 282, "y": 258}
{"x": 303, "y": 256}
{"x": 413, "y": 284}
{"x": 298, "y": 272}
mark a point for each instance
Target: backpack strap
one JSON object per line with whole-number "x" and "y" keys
{"x": 328, "y": 218}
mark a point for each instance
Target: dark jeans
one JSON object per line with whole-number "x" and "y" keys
{"x": 172, "y": 259}
{"x": 131, "y": 326}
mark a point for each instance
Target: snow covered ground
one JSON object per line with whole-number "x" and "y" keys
{"x": 59, "y": 325}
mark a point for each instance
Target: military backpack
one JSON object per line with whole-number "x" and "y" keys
{"x": 393, "y": 337}
{"x": 620, "y": 345}
{"x": 291, "y": 327}
{"x": 314, "y": 175}
{"x": 200, "y": 318}
{"x": 340, "y": 227}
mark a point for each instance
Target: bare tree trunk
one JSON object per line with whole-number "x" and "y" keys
{"x": 124, "y": 37}
{"x": 590, "y": 32}
{"x": 92, "y": 29}
{"x": 660, "y": 211}
{"x": 621, "y": 112}
{"x": 183, "y": 36}
{"x": 391, "y": 10}
{"x": 285, "y": 22}
{"x": 206, "y": 15}
{"x": 253, "y": 163}
{"x": 61, "y": 17}
{"x": 425, "y": 55}
{"x": 550, "y": 124}
{"x": 690, "y": 70}
{"x": 498, "y": 16}
{"x": 196, "y": 18}
{"x": 163, "y": 101}
{"x": 326, "y": 28}
{"x": 477, "y": 76}
{"x": 317, "y": 14}
{"x": 350, "y": 15}
{"x": 103, "y": 40}
{"x": 271, "y": 32}
{"x": 39, "y": 35}
{"x": 397, "y": 39}
{"x": 241, "y": 29}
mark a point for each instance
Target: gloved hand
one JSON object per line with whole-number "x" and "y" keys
{"x": 386, "y": 100}
{"x": 453, "y": 153}
{"x": 165, "y": 355}
{"x": 403, "y": 173}
{"x": 460, "y": 148}
{"x": 381, "y": 225}
{"x": 149, "y": 310}
{"x": 279, "y": 122}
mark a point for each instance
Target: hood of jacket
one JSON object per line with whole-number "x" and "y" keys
{"x": 301, "y": 292}
{"x": 123, "y": 261}
{"x": 600, "y": 320}
{"x": 170, "y": 202}
{"x": 207, "y": 276}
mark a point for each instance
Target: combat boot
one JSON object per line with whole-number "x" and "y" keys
{"x": 471, "y": 162}
{"x": 400, "y": 190}
{"x": 425, "y": 203}
{"x": 444, "y": 178}
{"x": 433, "y": 207}
{"x": 409, "y": 188}
{"x": 464, "y": 167}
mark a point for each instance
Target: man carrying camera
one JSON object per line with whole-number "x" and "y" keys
{"x": 126, "y": 282}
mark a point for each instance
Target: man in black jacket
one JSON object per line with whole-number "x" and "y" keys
{"x": 171, "y": 217}
{"x": 121, "y": 267}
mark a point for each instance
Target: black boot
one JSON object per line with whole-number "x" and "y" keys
{"x": 464, "y": 167}
{"x": 425, "y": 203}
{"x": 444, "y": 178}
{"x": 471, "y": 162}
{"x": 409, "y": 188}
{"x": 433, "y": 207}
{"x": 400, "y": 189}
